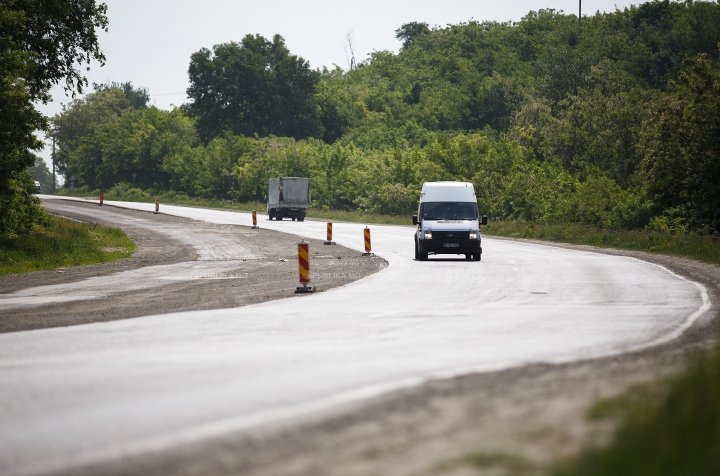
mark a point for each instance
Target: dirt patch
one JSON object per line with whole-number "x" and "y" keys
{"x": 516, "y": 421}
{"x": 272, "y": 276}
{"x": 151, "y": 249}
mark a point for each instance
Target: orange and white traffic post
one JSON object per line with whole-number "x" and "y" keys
{"x": 304, "y": 268}
{"x": 329, "y": 235}
{"x": 254, "y": 216}
{"x": 102, "y": 197}
{"x": 368, "y": 246}
{"x": 157, "y": 206}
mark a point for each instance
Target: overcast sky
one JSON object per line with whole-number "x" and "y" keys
{"x": 149, "y": 42}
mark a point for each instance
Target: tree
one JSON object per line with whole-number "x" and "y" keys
{"x": 682, "y": 145}
{"x": 42, "y": 174}
{"x": 56, "y": 35}
{"x": 82, "y": 117}
{"x": 138, "y": 142}
{"x": 410, "y": 31}
{"x": 253, "y": 87}
{"x": 41, "y": 42}
{"x": 138, "y": 98}
{"x": 332, "y": 100}
{"x": 563, "y": 71}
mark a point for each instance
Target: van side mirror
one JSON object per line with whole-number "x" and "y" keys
{"x": 484, "y": 220}
{"x": 414, "y": 218}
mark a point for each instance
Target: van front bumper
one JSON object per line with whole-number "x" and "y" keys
{"x": 459, "y": 247}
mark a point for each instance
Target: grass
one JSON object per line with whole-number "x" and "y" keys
{"x": 496, "y": 462}
{"x": 678, "y": 434}
{"x": 355, "y": 217}
{"x": 61, "y": 244}
{"x": 636, "y": 400}
{"x": 685, "y": 244}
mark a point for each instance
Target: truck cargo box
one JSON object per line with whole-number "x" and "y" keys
{"x": 288, "y": 197}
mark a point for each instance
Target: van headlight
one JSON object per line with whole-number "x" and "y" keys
{"x": 473, "y": 234}
{"x": 428, "y": 234}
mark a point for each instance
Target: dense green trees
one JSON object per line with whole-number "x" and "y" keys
{"x": 41, "y": 42}
{"x": 682, "y": 147}
{"x": 138, "y": 142}
{"x": 80, "y": 119}
{"x": 253, "y": 87}
{"x": 605, "y": 125}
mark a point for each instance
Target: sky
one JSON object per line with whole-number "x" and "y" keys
{"x": 149, "y": 42}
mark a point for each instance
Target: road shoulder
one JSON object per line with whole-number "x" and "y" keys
{"x": 273, "y": 275}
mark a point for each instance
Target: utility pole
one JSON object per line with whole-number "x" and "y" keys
{"x": 579, "y": 13}
{"x": 53, "y": 161}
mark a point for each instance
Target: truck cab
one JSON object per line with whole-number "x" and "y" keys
{"x": 448, "y": 221}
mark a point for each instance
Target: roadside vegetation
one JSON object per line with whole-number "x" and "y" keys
{"x": 62, "y": 243}
{"x": 612, "y": 122}
{"x": 688, "y": 244}
{"x": 40, "y": 47}
{"x": 667, "y": 429}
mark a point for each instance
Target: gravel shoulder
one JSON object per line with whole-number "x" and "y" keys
{"x": 272, "y": 276}
{"x": 516, "y": 421}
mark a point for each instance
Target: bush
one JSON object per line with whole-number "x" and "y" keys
{"x": 126, "y": 191}
{"x": 391, "y": 200}
{"x": 20, "y": 209}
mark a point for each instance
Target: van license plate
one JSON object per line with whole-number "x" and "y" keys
{"x": 451, "y": 245}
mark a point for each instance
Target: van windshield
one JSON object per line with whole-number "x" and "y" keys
{"x": 449, "y": 211}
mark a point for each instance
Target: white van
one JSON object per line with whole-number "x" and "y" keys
{"x": 448, "y": 221}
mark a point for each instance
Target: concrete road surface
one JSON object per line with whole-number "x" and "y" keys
{"x": 84, "y": 394}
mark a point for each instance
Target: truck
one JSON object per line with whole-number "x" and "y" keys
{"x": 448, "y": 221}
{"x": 288, "y": 197}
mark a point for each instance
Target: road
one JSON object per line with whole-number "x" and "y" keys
{"x": 78, "y": 395}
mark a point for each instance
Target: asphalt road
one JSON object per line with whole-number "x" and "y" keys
{"x": 83, "y": 394}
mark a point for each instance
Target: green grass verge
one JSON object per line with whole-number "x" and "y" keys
{"x": 496, "y": 463}
{"x": 61, "y": 244}
{"x": 686, "y": 244}
{"x": 678, "y": 434}
{"x": 355, "y": 217}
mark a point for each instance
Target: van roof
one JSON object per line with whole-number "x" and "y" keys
{"x": 448, "y": 192}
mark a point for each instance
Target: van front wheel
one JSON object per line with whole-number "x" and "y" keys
{"x": 422, "y": 256}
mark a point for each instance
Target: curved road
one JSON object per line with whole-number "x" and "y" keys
{"x": 84, "y": 394}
